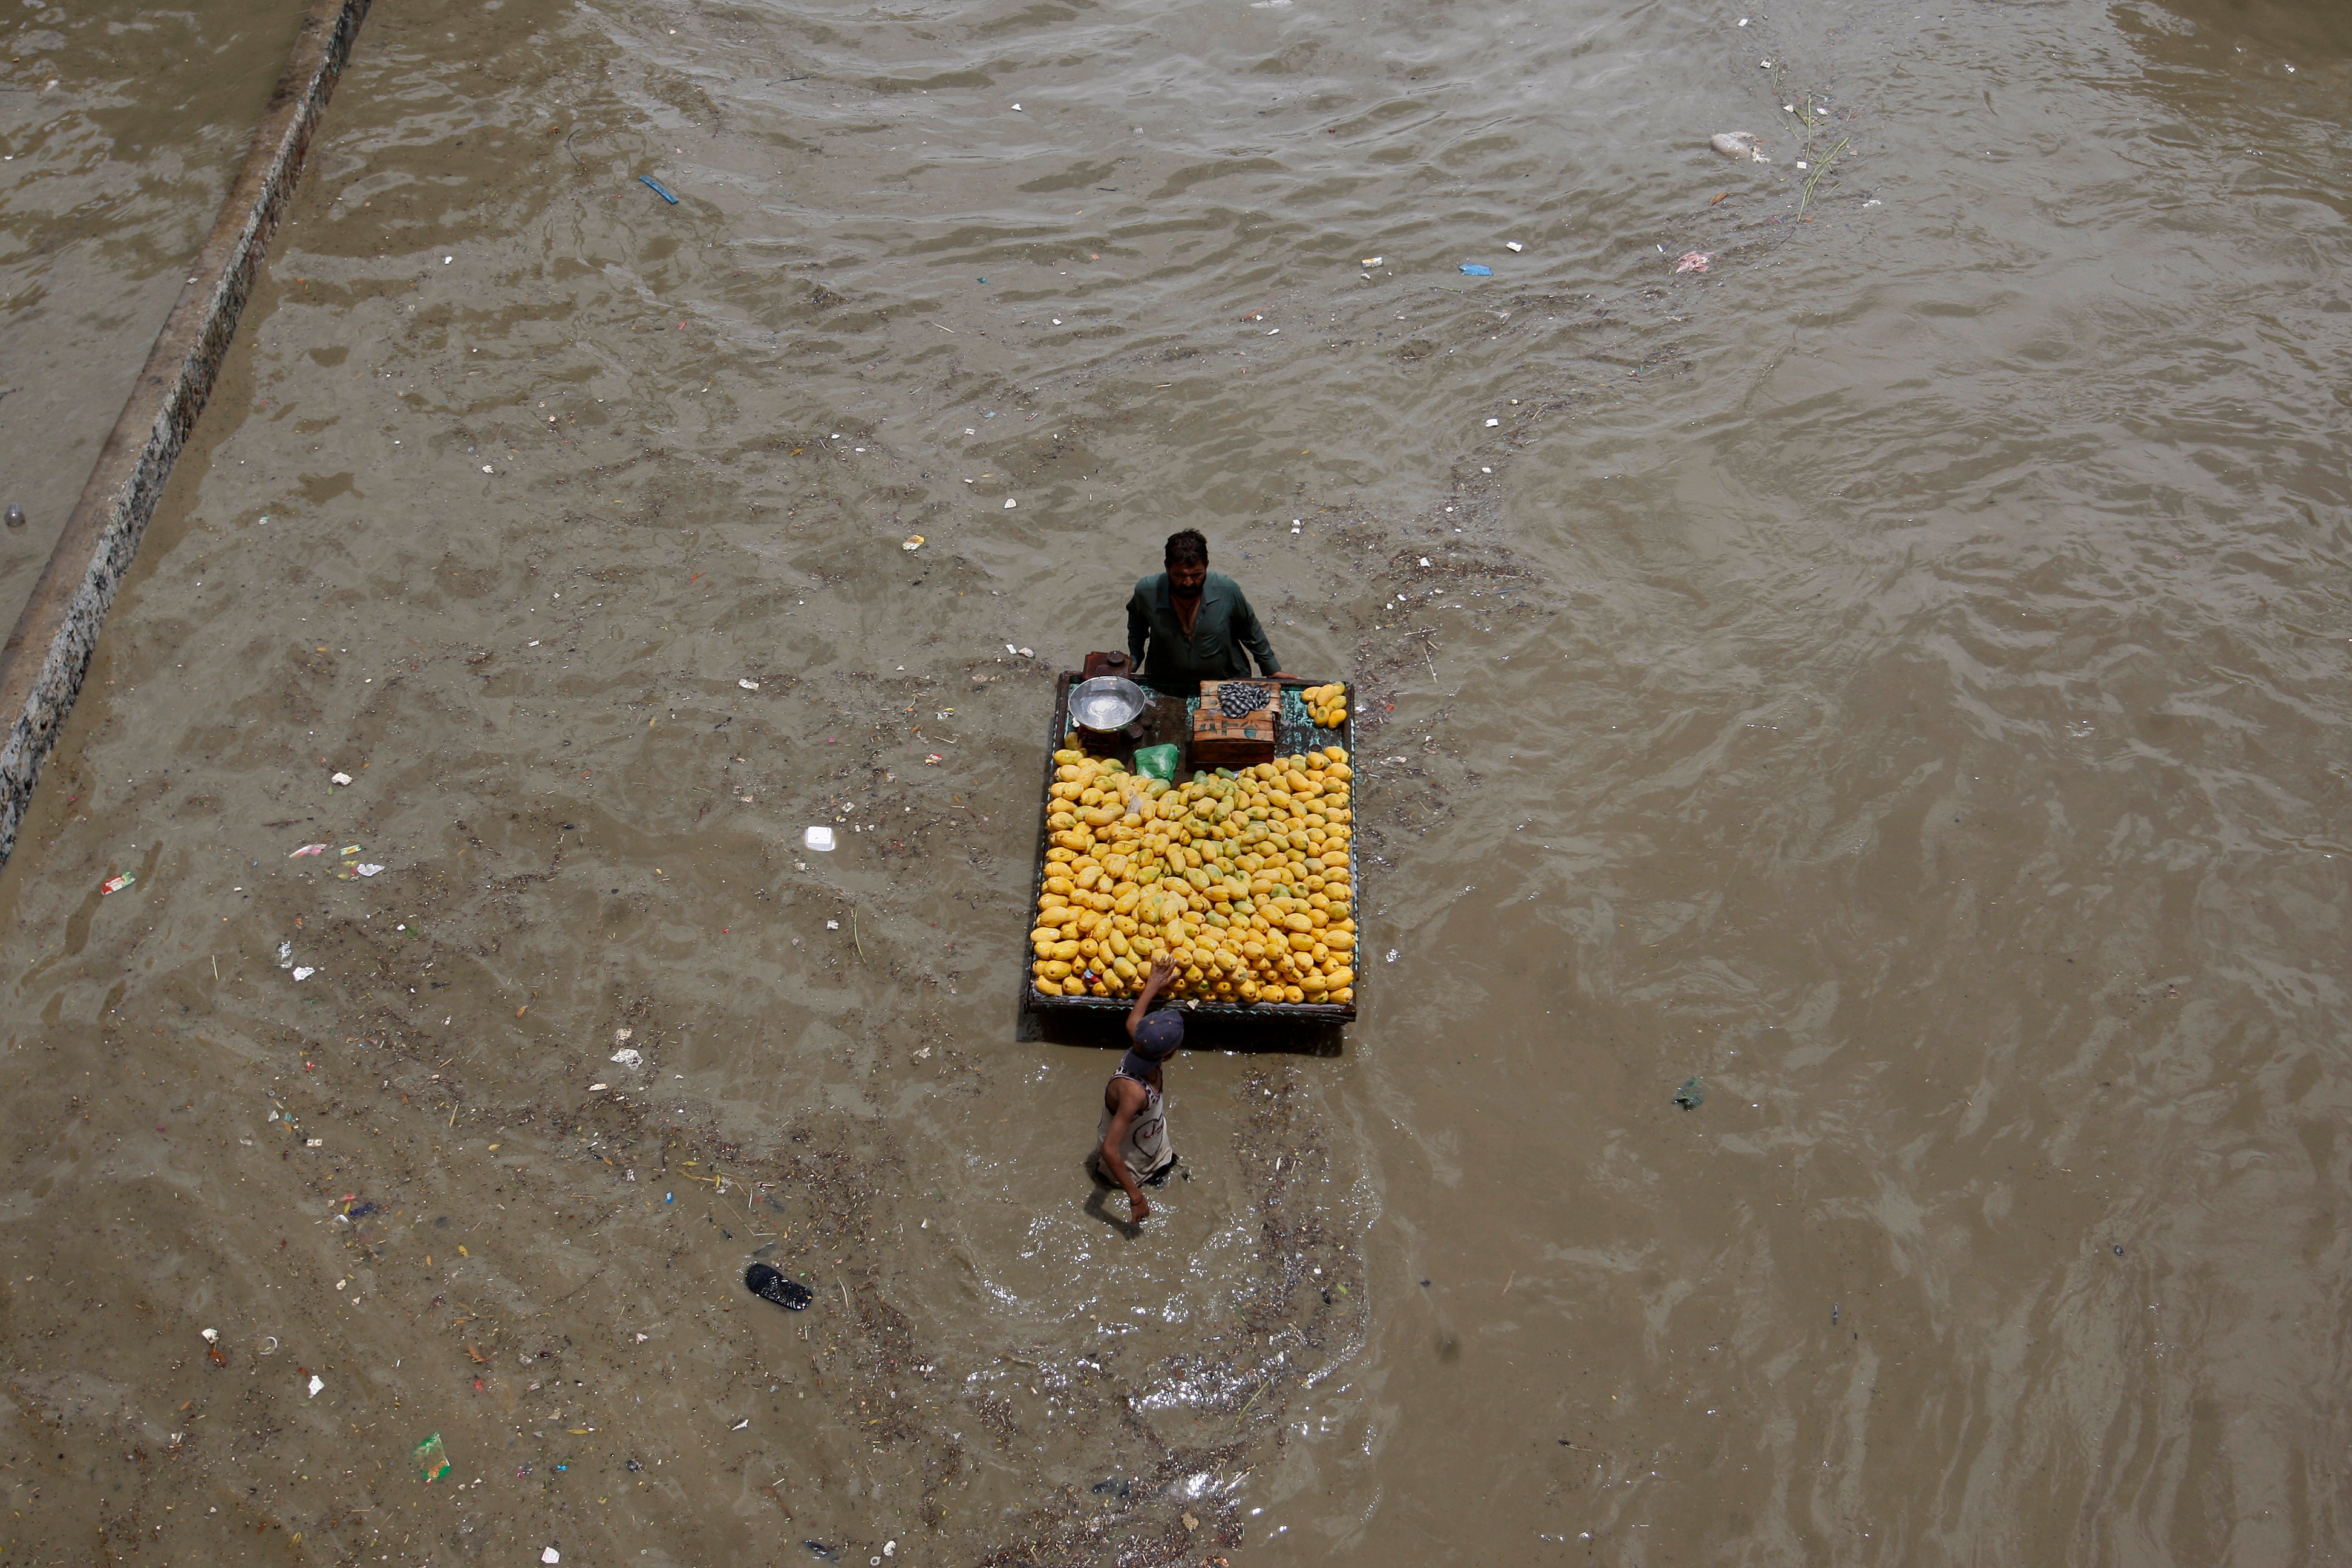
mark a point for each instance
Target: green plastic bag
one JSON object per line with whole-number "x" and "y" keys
{"x": 431, "y": 1459}
{"x": 1156, "y": 761}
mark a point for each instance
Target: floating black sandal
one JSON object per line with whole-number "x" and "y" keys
{"x": 771, "y": 1285}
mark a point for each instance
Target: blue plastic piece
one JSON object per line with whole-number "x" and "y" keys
{"x": 1472, "y": 268}
{"x": 659, "y": 189}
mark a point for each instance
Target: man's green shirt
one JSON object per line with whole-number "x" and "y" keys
{"x": 1222, "y": 628}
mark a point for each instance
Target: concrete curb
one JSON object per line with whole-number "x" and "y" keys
{"x": 48, "y": 653}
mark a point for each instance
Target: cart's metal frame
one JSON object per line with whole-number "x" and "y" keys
{"x": 1291, "y": 735}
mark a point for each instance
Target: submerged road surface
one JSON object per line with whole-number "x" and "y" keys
{"x": 1866, "y": 632}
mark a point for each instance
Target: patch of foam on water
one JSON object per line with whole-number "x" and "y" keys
{"x": 1208, "y": 1386}
{"x": 1206, "y": 1484}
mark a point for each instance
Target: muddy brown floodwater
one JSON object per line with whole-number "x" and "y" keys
{"x": 120, "y": 126}
{"x": 1895, "y": 676}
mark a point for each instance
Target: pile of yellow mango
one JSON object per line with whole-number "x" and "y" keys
{"x": 1327, "y": 705}
{"x": 1242, "y": 878}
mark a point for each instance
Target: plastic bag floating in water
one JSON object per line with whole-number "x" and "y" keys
{"x": 431, "y": 1459}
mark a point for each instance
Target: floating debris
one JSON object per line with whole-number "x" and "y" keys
{"x": 770, "y": 1284}
{"x": 431, "y": 1459}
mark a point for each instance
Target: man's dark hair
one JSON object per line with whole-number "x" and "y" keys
{"x": 1188, "y": 547}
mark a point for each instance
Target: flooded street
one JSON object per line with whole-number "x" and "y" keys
{"x": 1858, "y": 641}
{"x": 120, "y": 129}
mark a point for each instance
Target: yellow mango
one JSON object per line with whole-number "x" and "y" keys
{"x": 1065, "y": 951}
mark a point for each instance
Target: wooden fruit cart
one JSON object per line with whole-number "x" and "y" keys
{"x": 1168, "y": 720}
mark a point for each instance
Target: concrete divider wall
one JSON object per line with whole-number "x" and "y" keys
{"x": 49, "y": 652}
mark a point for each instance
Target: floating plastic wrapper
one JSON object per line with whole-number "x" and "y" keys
{"x": 431, "y": 1459}
{"x": 1156, "y": 761}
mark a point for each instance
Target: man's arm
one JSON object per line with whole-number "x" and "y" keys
{"x": 1139, "y": 628}
{"x": 1130, "y": 1101}
{"x": 1247, "y": 632}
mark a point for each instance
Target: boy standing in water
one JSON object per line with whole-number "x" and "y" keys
{"x": 1133, "y": 1136}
